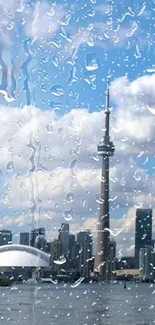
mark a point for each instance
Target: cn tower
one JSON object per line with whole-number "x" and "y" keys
{"x": 106, "y": 150}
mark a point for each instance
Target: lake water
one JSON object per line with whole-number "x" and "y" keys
{"x": 91, "y": 304}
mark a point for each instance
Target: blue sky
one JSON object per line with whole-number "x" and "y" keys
{"x": 120, "y": 42}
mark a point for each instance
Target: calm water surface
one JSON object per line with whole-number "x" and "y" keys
{"x": 90, "y": 304}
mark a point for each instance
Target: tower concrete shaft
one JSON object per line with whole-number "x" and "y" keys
{"x": 105, "y": 150}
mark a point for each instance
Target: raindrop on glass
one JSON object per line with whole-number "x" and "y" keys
{"x": 55, "y": 60}
{"x": 10, "y": 166}
{"x": 6, "y": 199}
{"x": 68, "y": 215}
{"x": 60, "y": 261}
{"x": 69, "y": 197}
{"x": 57, "y": 90}
{"x": 49, "y": 128}
{"x": 91, "y": 62}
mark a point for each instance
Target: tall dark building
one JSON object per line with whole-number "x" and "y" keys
{"x": 64, "y": 238}
{"x": 143, "y": 231}
{"x": 55, "y": 253}
{"x": 34, "y": 235}
{"x": 5, "y": 237}
{"x": 112, "y": 246}
{"x": 24, "y": 238}
{"x": 105, "y": 150}
{"x": 71, "y": 246}
{"x": 112, "y": 259}
{"x": 85, "y": 241}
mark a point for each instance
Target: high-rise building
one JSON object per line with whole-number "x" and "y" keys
{"x": 125, "y": 262}
{"x": 55, "y": 253}
{"x": 85, "y": 241}
{"x": 24, "y": 238}
{"x": 153, "y": 243}
{"x": 105, "y": 150}
{"x": 71, "y": 246}
{"x": 146, "y": 262}
{"x": 112, "y": 259}
{"x": 112, "y": 247}
{"x": 5, "y": 237}
{"x": 143, "y": 231}
{"x": 34, "y": 233}
{"x": 64, "y": 238}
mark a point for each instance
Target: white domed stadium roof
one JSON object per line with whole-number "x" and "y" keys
{"x": 23, "y": 256}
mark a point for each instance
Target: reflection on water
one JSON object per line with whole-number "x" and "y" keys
{"x": 86, "y": 304}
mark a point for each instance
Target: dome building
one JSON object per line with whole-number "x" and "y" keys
{"x": 23, "y": 256}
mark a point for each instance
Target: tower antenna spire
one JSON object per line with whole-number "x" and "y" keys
{"x": 107, "y": 111}
{"x": 108, "y": 95}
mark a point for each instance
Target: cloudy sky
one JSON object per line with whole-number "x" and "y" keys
{"x": 54, "y": 62}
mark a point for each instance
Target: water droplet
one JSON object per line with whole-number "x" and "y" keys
{"x": 48, "y": 215}
{"x": 95, "y": 157}
{"x": 60, "y": 261}
{"x": 6, "y": 96}
{"x": 55, "y": 60}
{"x": 6, "y": 199}
{"x": 91, "y": 62}
{"x": 142, "y": 9}
{"x": 137, "y": 178}
{"x": 133, "y": 29}
{"x": 99, "y": 266}
{"x": 11, "y": 26}
{"x": 11, "y": 149}
{"x": 69, "y": 197}
{"x": 57, "y": 90}
{"x": 139, "y": 205}
{"x": 113, "y": 199}
{"x": 117, "y": 129}
{"x": 100, "y": 253}
{"x": 151, "y": 109}
{"x": 83, "y": 203}
{"x": 76, "y": 284}
{"x": 20, "y": 123}
{"x": 73, "y": 166}
{"x": 114, "y": 232}
{"x": 137, "y": 54}
{"x": 68, "y": 215}
{"x": 151, "y": 70}
{"x": 56, "y": 205}
{"x": 49, "y": 128}
{"x": 10, "y": 166}
{"x": 141, "y": 153}
{"x": 55, "y": 106}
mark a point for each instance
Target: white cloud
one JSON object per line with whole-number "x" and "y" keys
{"x": 45, "y": 20}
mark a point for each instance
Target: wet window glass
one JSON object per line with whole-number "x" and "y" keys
{"x": 77, "y": 167}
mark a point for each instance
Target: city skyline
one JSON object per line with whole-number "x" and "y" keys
{"x": 139, "y": 242}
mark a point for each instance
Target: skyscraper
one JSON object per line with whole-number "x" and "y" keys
{"x": 146, "y": 262}
{"x": 112, "y": 246}
{"x": 71, "y": 246}
{"x": 64, "y": 238}
{"x": 143, "y": 231}
{"x": 84, "y": 239}
{"x": 105, "y": 150}
{"x": 5, "y": 237}
{"x": 24, "y": 238}
{"x": 34, "y": 233}
{"x": 55, "y": 254}
{"x": 112, "y": 259}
